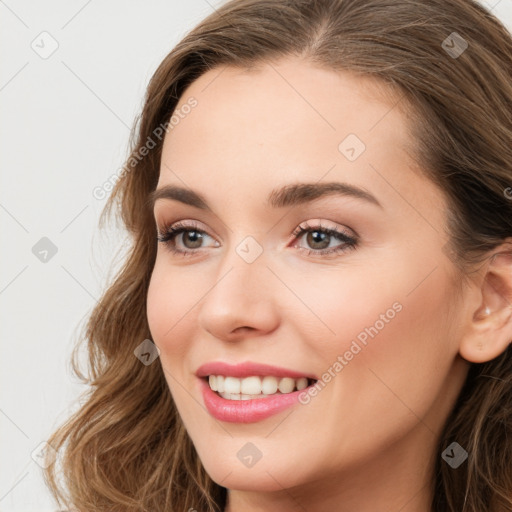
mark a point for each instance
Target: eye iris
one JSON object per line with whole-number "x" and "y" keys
{"x": 315, "y": 237}
{"x": 192, "y": 236}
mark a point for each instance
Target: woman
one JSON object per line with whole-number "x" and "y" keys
{"x": 316, "y": 313}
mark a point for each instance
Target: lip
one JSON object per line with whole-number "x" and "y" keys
{"x": 248, "y": 369}
{"x": 246, "y": 411}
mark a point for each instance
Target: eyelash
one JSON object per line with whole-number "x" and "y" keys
{"x": 169, "y": 233}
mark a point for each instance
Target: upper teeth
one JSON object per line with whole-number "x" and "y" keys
{"x": 255, "y": 385}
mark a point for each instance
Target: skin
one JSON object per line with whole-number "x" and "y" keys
{"x": 375, "y": 426}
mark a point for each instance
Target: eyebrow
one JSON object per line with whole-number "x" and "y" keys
{"x": 289, "y": 195}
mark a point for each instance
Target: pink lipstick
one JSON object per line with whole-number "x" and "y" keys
{"x": 248, "y": 410}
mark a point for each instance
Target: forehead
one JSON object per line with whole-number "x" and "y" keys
{"x": 292, "y": 122}
{"x": 291, "y": 104}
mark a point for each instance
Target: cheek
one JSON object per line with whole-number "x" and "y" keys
{"x": 347, "y": 305}
{"x": 169, "y": 308}
{"x": 393, "y": 337}
{"x": 160, "y": 307}
{"x": 170, "y": 302}
{"x": 172, "y": 294}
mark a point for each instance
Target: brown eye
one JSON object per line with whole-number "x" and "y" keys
{"x": 319, "y": 238}
{"x": 190, "y": 240}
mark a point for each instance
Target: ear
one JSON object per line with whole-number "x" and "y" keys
{"x": 490, "y": 324}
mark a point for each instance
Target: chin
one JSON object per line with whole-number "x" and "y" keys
{"x": 252, "y": 480}
{"x": 264, "y": 476}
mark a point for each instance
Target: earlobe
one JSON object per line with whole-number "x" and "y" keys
{"x": 489, "y": 335}
{"x": 489, "y": 332}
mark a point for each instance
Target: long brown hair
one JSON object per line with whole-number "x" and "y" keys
{"x": 126, "y": 448}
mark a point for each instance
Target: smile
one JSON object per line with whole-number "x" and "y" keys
{"x": 250, "y": 391}
{"x": 250, "y": 407}
{"x": 255, "y": 387}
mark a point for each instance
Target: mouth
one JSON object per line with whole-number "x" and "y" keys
{"x": 255, "y": 387}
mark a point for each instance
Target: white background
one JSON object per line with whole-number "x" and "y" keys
{"x": 65, "y": 123}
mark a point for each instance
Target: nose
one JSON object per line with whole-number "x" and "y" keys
{"x": 242, "y": 300}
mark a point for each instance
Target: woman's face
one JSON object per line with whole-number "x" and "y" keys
{"x": 372, "y": 313}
